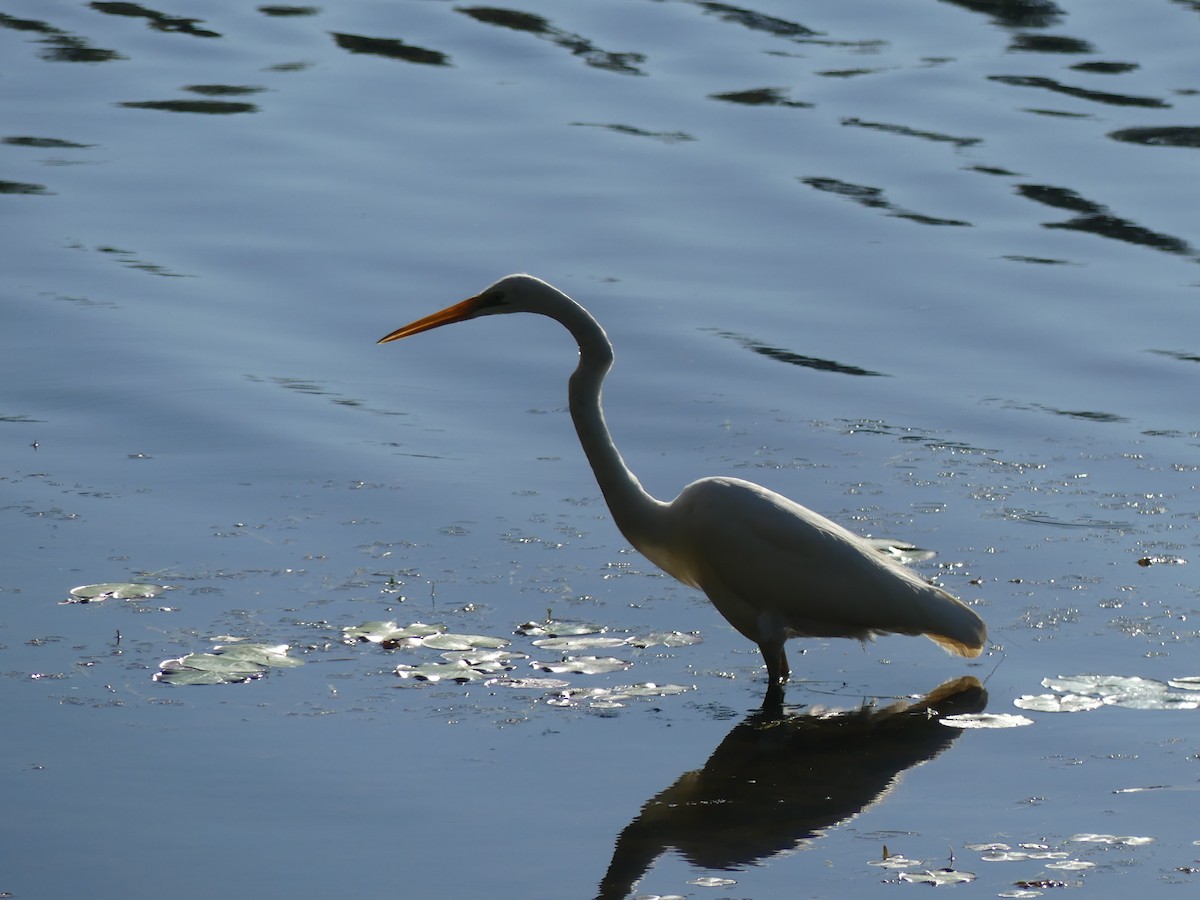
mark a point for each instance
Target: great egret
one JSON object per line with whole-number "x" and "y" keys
{"x": 772, "y": 567}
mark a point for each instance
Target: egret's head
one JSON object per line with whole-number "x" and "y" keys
{"x": 513, "y": 293}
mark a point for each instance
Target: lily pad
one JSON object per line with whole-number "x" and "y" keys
{"x": 1131, "y": 691}
{"x": 389, "y": 632}
{"x": 482, "y": 657}
{"x": 447, "y": 641}
{"x": 1124, "y": 841}
{"x": 938, "y": 877}
{"x": 225, "y": 665}
{"x": 572, "y": 696}
{"x": 649, "y": 689}
{"x": 556, "y": 628}
{"x": 459, "y": 672}
{"x": 584, "y": 665}
{"x": 666, "y": 639}
{"x": 536, "y": 684}
{"x": 1054, "y": 703}
{"x": 985, "y": 720}
{"x": 583, "y": 642}
{"x": 712, "y": 881}
{"x": 895, "y": 861}
{"x": 1022, "y": 855}
{"x": 117, "y": 590}
{"x": 263, "y": 654}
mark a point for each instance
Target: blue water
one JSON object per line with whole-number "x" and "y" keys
{"x": 930, "y": 269}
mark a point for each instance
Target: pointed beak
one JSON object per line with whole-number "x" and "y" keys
{"x": 456, "y": 313}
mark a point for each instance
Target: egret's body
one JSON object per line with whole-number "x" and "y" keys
{"x": 772, "y": 567}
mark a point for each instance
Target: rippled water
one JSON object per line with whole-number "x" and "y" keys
{"x": 929, "y": 268}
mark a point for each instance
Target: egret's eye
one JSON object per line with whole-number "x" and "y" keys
{"x": 495, "y": 298}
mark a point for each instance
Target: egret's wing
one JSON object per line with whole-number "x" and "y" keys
{"x": 767, "y": 554}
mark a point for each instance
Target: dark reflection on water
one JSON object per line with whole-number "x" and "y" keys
{"x": 622, "y": 63}
{"x": 61, "y": 46}
{"x": 1014, "y": 13}
{"x": 796, "y": 359}
{"x": 156, "y": 20}
{"x": 1096, "y": 219}
{"x": 874, "y": 198}
{"x": 774, "y": 784}
{"x": 390, "y": 48}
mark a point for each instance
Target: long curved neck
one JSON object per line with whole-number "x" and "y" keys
{"x": 633, "y": 509}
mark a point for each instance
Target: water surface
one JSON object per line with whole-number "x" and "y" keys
{"x": 931, "y": 271}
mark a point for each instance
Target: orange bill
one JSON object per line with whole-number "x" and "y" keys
{"x": 456, "y": 313}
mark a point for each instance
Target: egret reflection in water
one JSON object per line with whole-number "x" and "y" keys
{"x": 776, "y": 784}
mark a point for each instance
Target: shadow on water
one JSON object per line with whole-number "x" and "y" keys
{"x": 775, "y": 784}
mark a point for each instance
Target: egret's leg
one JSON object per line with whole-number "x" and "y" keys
{"x": 777, "y": 672}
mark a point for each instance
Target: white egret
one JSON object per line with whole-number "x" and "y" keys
{"x": 772, "y": 567}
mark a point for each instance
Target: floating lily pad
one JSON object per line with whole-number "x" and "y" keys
{"x": 184, "y": 675}
{"x": 1071, "y": 865}
{"x": 649, "y": 689}
{"x": 1021, "y": 855}
{"x": 583, "y": 642}
{"x": 895, "y": 861}
{"x": 458, "y": 672}
{"x": 556, "y": 628}
{"x": 117, "y": 590}
{"x": 1055, "y": 703}
{"x": 225, "y": 665}
{"x": 612, "y": 698}
{"x": 938, "y": 877}
{"x": 542, "y": 684}
{"x": 1187, "y": 683}
{"x": 1124, "y": 841}
{"x": 572, "y": 696}
{"x": 447, "y": 641}
{"x": 666, "y": 639}
{"x": 272, "y": 655}
{"x": 1101, "y": 684}
{"x": 712, "y": 881}
{"x": 985, "y": 720}
{"x": 585, "y": 665}
{"x": 482, "y": 657}
{"x": 389, "y": 632}
{"x": 1131, "y": 691}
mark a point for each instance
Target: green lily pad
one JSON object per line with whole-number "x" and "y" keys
{"x": 117, "y": 590}
{"x": 1118, "y": 840}
{"x": 649, "y": 689}
{"x": 459, "y": 672}
{"x": 938, "y": 877}
{"x": 225, "y": 665}
{"x": 585, "y": 665}
{"x": 1130, "y": 691}
{"x": 481, "y": 657}
{"x": 665, "y": 639}
{"x": 194, "y": 676}
{"x": 536, "y": 684}
{"x": 557, "y": 628}
{"x": 1021, "y": 855}
{"x": 985, "y": 720}
{"x": 1056, "y": 703}
{"x": 448, "y": 641}
{"x": 389, "y": 632}
{"x": 263, "y": 654}
{"x": 895, "y": 861}
{"x": 582, "y": 642}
